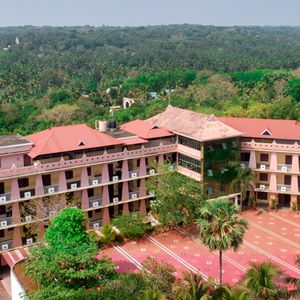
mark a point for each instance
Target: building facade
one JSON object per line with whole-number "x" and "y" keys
{"x": 104, "y": 171}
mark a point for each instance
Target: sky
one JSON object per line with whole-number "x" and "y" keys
{"x": 149, "y": 12}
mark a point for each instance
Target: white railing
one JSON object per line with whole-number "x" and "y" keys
{"x": 283, "y": 188}
{"x": 4, "y": 198}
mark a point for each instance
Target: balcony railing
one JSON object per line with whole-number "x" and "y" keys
{"x": 134, "y": 195}
{"x": 134, "y": 174}
{"x": 96, "y": 224}
{"x": 73, "y": 185}
{"x": 51, "y": 189}
{"x": 262, "y": 186}
{"x": 26, "y": 194}
{"x": 95, "y": 181}
{"x": 5, "y": 222}
{"x": 6, "y": 245}
{"x": 263, "y": 166}
{"x": 29, "y": 240}
{"x": 95, "y": 203}
{"x": 283, "y": 188}
{"x": 4, "y": 198}
{"x": 85, "y": 160}
{"x": 244, "y": 164}
{"x": 284, "y": 168}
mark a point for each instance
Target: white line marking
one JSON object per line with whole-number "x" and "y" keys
{"x": 129, "y": 257}
{"x": 285, "y": 220}
{"x": 178, "y": 258}
{"x": 275, "y": 235}
{"x": 197, "y": 240}
{"x": 272, "y": 257}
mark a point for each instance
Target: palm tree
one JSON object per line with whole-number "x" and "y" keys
{"x": 260, "y": 281}
{"x": 244, "y": 177}
{"x": 294, "y": 280}
{"x": 192, "y": 287}
{"x": 220, "y": 227}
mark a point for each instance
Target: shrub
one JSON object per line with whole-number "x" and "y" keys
{"x": 161, "y": 276}
{"x": 109, "y": 235}
{"x": 132, "y": 225}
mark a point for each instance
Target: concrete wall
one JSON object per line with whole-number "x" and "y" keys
{"x": 16, "y": 288}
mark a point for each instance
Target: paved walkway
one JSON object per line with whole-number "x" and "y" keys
{"x": 272, "y": 236}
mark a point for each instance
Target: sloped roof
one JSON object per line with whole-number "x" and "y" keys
{"x": 68, "y": 138}
{"x": 145, "y": 130}
{"x": 195, "y": 125}
{"x": 255, "y": 128}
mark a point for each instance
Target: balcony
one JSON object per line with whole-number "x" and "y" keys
{"x": 6, "y": 245}
{"x": 4, "y": 198}
{"x": 73, "y": 185}
{"x": 4, "y": 222}
{"x": 283, "y": 188}
{"x": 244, "y": 164}
{"x": 262, "y": 187}
{"x": 95, "y": 203}
{"x": 86, "y": 160}
{"x": 95, "y": 181}
{"x": 134, "y": 174}
{"x": 116, "y": 199}
{"x": 29, "y": 240}
{"x": 263, "y": 166}
{"x": 134, "y": 195}
{"x": 51, "y": 189}
{"x": 96, "y": 224}
{"x": 284, "y": 168}
{"x": 27, "y": 194}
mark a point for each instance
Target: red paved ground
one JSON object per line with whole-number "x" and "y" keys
{"x": 272, "y": 236}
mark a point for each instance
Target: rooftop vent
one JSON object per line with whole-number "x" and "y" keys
{"x": 266, "y": 132}
{"x": 81, "y": 143}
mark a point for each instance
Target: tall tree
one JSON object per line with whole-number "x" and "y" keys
{"x": 177, "y": 197}
{"x": 245, "y": 177}
{"x": 221, "y": 228}
{"x": 67, "y": 260}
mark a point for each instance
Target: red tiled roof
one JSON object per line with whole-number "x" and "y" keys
{"x": 251, "y": 127}
{"x": 68, "y": 138}
{"x": 133, "y": 141}
{"x": 145, "y": 130}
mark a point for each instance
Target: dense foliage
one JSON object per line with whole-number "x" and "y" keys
{"x": 68, "y": 75}
{"x": 177, "y": 197}
{"x": 132, "y": 225}
{"x": 67, "y": 262}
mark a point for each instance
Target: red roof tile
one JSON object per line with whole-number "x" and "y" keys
{"x": 145, "y": 130}
{"x": 68, "y": 138}
{"x": 133, "y": 141}
{"x": 278, "y": 129}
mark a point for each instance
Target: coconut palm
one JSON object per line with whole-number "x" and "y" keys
{"x": 244, "y": 178}
{"x": 261, "y": 279}
{"x": 220, "y": 227}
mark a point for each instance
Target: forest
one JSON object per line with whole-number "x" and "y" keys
{"x": 61, "y": 75}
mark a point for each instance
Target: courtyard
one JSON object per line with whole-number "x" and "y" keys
{"x": 272, "y": 236}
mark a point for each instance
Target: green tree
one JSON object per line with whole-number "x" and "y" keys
{"x": 177, "y": 197}
{"x": 244, "y": 179}
{"x": 220, "y": 228}
{"x": 132, "y": 225}
{"x": 261, "y": 279}
{"x": 67, "y": 260}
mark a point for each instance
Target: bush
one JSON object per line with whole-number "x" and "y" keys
{"x": 132, "y": 225}
{"x": 161, "y": 277}
{"x": 109, "y": 235}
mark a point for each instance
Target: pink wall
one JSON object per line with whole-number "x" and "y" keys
{"x": 9, "y": 160}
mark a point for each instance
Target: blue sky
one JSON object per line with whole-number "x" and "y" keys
{"x": 149, "y": 12}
